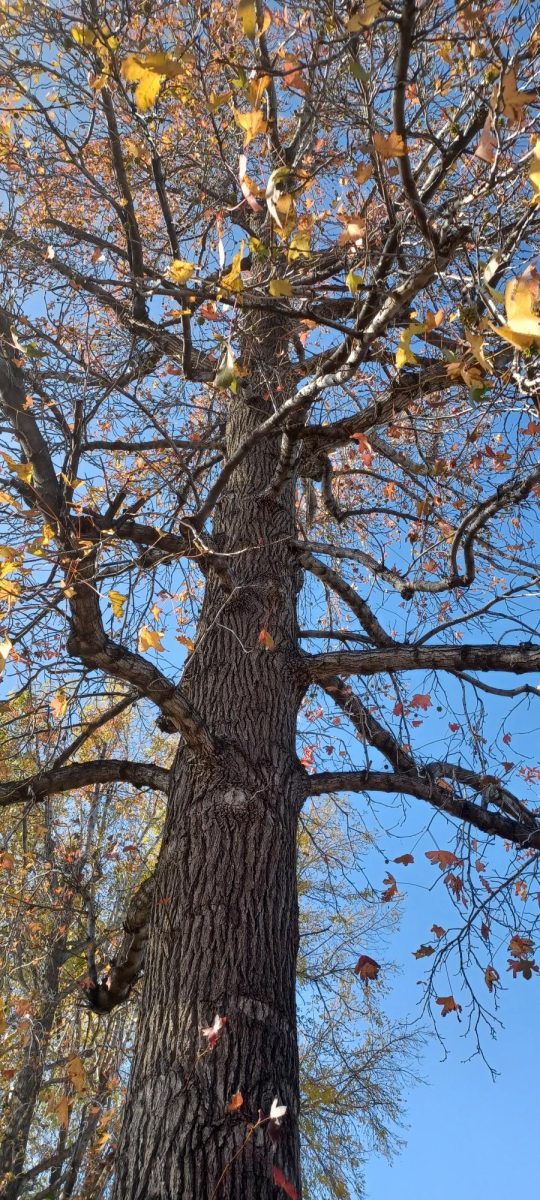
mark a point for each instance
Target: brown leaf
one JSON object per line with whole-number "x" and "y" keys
{"x": 391, "y": 888}
{"x": 491, "y": 977}
{"x": 366, "y": 968}
{"x": 522, "y": 966}
{"x": 438, "y": 931}
{"x": 405, "y": 859}
{"x": 520, "y": 947}
{"x": 448, "y": 1005}
{"x": 424, "y": 951}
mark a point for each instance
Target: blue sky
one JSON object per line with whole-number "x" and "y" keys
{"x": 467, "y": 1135}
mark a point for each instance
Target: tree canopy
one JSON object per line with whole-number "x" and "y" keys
{"x": 269, "y": 398}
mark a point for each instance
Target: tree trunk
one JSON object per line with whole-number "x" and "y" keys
{"x": 224, "y": 932}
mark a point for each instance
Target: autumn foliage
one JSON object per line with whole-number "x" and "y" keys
{"x": 269, "y": 347}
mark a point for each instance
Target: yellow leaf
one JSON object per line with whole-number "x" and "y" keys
{"x": 535, "y": 171}
{"x": 353, "y": 282}
{"x": 2, "y": 1017}
{"x": 150, "y": 639}
{"x": 285, "y": 211}
{"x": 133, "y": 69}
{"x": 227, "y": 372}
{"x": 181, "y": 270}
{"x": 163, "y": 64}
{"x": 76, "y": 1074}
{"x": 392, "y": 146}
{"x": 9, "y": 590}
{"x": 117, "y": 601}
{"x": 521, "y": 341}
{"x": 232, "y": 281}
{"x": 217, "y": 99}
{"x": 5, "y": 651}
{"x": 368, "y": 14}
{"x": 476, "y": 343}
{"x": 522, "y": 303}
{"x": 8, "y": 554}
{"x": 267, "y": 21}
{"x": 22, "y": 470}
{"x": 257, "y": 88}
{"x": 247, "y": 10}
{"x": 404, "y": 354}
{"x": 300, "y": 244}
{"x": 252, "y": 123}
{"x": 147, "y": 91}
{"x": 280, "y": 287}
{"x": 58, "y": 704}
{"x": 136, "y": 66}
{"x": 82, "y": 35}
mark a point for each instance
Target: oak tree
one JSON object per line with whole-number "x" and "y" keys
{"x": 269, "y": 387}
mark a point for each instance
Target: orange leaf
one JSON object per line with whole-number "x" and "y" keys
{"x": 405, "y": 859}
{"x": 266, "y": 639}
{"x": 421, "y": 701}
{"x": 443, "y": 859}
{"x": 392, "y": 146}
{"x": 236, "y": 1101}
{"x": 448, "y": 1005}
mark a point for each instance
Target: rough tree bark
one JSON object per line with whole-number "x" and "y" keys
{"x": 224, "y": 930}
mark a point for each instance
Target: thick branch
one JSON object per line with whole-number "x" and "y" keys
{"x": 516, "y": 659}
{"x": 494, "y": 824}
{"x": 79, "y": 775}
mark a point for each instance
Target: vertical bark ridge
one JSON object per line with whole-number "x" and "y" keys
{"x": 224, "y": 931}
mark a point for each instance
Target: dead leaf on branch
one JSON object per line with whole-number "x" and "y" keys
{"x": 448, "y": 1005}
{"x": 367, "y": 968}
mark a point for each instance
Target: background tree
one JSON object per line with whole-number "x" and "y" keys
{"x": 258, "y": 390}
{"x": 68, "y": 873}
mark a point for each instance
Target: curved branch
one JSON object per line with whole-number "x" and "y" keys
{"x": 79, "y": 775}
{"x": 104, "y": 995}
